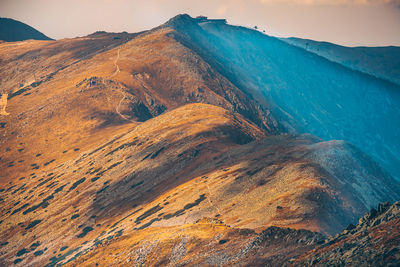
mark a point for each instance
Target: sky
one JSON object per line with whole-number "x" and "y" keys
{"x": 345, "y": 22}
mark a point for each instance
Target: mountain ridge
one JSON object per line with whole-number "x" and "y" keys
{"x": 379, "y": 62}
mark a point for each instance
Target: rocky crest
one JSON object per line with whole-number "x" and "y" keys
{"x": 374, "y": 241}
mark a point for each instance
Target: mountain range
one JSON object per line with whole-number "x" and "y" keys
{"x": 194, "y": 143}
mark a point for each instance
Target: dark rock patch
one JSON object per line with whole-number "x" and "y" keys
{"x": 148, "y": 213}
{"x": 137, "y": 184}
{"x": 148, "y": 155}
{"x": 149, "y": 223}
{"x": 55, "y": 260}
{"x": 121, "y": 147}
{"x": 38, "y": 253}
{"x": 43, "y": 204}
{"x": 85, "y": 231}
{"x": 59, "y": 189}
{"x": 34, "y": 245}
{"x": 33, "y": 224}
{"x": 44, "y": 182}
{"x": 94, "y": 179}
{"x": 103, "y": 189}
{"x": 74, "y": 185}
{"x": 252, "y": 172}
{"x": 186, "y": 207}
{"x": 47, "y": 163}
{"x": 109, "y": 168}
{"x": 20, "y": 208}
{"x": 22, "y": 252}
{"x": 157, "y": 153}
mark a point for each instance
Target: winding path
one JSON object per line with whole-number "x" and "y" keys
{"x": 119, "y": 105}
{"x": 3, "y": 105}
{"x": 209, "y": 200}
{"x": 117, "y": 70}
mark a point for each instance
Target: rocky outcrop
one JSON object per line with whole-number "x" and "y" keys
{"x": 374, "y": 241}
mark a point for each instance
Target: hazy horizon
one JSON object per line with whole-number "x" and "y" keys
{"x": 344, "y": 22}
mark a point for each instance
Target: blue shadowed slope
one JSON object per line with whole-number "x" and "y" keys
{"x": 382, "y": 62}
{"x": 309, "y": 93}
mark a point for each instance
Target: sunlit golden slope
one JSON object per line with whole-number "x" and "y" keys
{"x": 192, "y": 162}
{"x": 76, "y": 104}
{"x": 107, "y": 183}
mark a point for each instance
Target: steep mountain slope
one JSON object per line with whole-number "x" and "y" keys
{"x": 128, "y": 135}
{"x": 13, "y": 30}
{"x": 381, "y": 62}
{"x": 307, "y": 92}
{"x": 193, "y": 162}
{"x": 126, "y": 84}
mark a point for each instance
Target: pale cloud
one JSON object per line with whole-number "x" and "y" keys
{"x": 333, "y": 2}
{"x": 346, "y": 22}
{"x": 222, "y": 10}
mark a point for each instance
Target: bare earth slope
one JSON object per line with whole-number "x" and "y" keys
{"x": 135, "y": 137}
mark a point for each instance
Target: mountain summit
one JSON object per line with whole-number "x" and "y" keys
{"x": 196, "y": 142}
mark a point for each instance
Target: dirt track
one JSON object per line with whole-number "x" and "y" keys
{"x": 3, "y": 105}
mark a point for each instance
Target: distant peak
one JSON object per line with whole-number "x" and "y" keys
{"x": 13, "y": 30}
{"x": 181, "y": 18}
